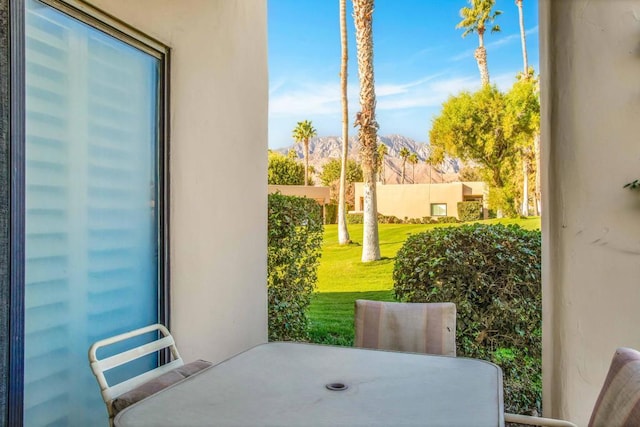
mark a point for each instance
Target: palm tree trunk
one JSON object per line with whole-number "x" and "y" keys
{"x": 536, "y": 137}
{"x": 481, "y": 57}
{"x": 524, "y": 210}
{"x": 537, "y": 191}
{"x": 522, "y": 38}
{"x": 368, "y": 127}
{"x": 306, "y": 162}
{"x": 404, "y": 162}
{"x": 343, "y": 232}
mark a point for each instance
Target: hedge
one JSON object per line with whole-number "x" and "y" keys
{"x": 331, "y": 213}
{"x": 293, "y": 251}
{"x": 355, "y": 218}
{"x": 492, "y": 274}
{"x": 469, "y": 211}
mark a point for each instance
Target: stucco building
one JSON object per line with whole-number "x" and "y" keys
{"x": 423, "y": 200}
{"x": 318, "y": 193}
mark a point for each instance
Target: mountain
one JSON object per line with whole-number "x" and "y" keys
{"x": 322, "y": 149}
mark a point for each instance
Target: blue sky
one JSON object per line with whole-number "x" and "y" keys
{"x": 420, "y": 58}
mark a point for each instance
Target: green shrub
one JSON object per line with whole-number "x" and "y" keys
{"x": 293, "y": 250}
{"x": 355, "y": 218}
{"x": 469, "y": 211}
{"x": 284, "y": 170}
{"x": 492, "y": 274}
{"x": 447, "y": 220}
{"x": 331, "y": 213}
{"x": 388, "y": 219}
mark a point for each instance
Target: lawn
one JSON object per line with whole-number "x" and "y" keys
{"x": 343, "y": 278}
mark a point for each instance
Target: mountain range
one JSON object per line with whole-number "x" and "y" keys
{"x": 322, "y": 149}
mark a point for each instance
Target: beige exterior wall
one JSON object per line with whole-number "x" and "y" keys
{"x": 414, "y": 200}
{"x": 319, "y": 194}
{"x": 219, "y": 96}
{"x": 591, "y": 225}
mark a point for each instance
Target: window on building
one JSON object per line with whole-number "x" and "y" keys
{"x": 94, "y": 243}
{"x": 438, "y": 209}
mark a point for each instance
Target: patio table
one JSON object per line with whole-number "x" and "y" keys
{"x": 289, "y": 384}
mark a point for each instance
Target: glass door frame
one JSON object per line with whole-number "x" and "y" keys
{"x": 13, "y": 168}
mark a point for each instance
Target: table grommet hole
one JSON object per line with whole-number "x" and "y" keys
{"x": 337, "y": 386}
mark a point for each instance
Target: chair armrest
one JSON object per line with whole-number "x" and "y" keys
{"x": 536, "y": 421}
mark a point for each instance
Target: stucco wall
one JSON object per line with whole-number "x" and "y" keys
{"x": 414, "y": 200}
{"x": 591, "y": 225}
{"x": 319, "y": 194}
{"x": 219, "y": 93}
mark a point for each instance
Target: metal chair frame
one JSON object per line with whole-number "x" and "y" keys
{"x": 100, "y": 366}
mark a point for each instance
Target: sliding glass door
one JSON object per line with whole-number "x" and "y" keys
{"x": 93, "y": 230}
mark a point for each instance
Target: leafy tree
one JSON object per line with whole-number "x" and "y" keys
{"x": 475, "y": 20}
{"x": 523, "y": 100}
{"x": 284, "y": 170}
{"x": 367, "y": 126}
{"x": 302, "y": 133}
{"x": 413, "y": 159}
{"x": 343, "y": 232}
{"x": 470, "y": 174}
{"x": 331, "y": 172}
{"x": 488, "y": 128}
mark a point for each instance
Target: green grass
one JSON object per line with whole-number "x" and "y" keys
{"x": 331, "y": 315}
{"x": 343, "y": 278}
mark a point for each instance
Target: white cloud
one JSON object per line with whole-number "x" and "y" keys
{"x": 275, "y": 86}
{"x": 428, "y": 94}
{"x": 396, "y": 89}
{"x": 322, "y": 98}
{"x": 306, "y": 100}
{"x": 504, "y": 81}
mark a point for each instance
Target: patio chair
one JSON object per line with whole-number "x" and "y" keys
{"x": 121, "y": 395}
{"x": 618, "y": 404}
{"x": 412, "y": 327}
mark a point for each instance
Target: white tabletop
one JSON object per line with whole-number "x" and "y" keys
{"x": 283, "y": 384}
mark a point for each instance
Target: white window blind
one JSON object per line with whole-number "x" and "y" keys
{"x": 91, "y": 209}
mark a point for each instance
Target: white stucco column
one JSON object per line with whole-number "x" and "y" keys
{"x": 218, "y": 142}
{"x": 590, "y": 90}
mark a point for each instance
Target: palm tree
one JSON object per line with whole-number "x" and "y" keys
{"x": 474, "y": 20}
{"x": 343, "y": 232}
{"x": 522, "y": 38}
{"x": 383, "y": 150}
{"x": 528, "y": 73}
{"x": 413, "y": 159}
{"x": 368, "y": 127}
{"x": 524, "y": 206}
{"x": 404, "y": 155}
{"x": 303, "y": 132}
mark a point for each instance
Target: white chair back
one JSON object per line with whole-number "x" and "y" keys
{"x": 100, "y": 366}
